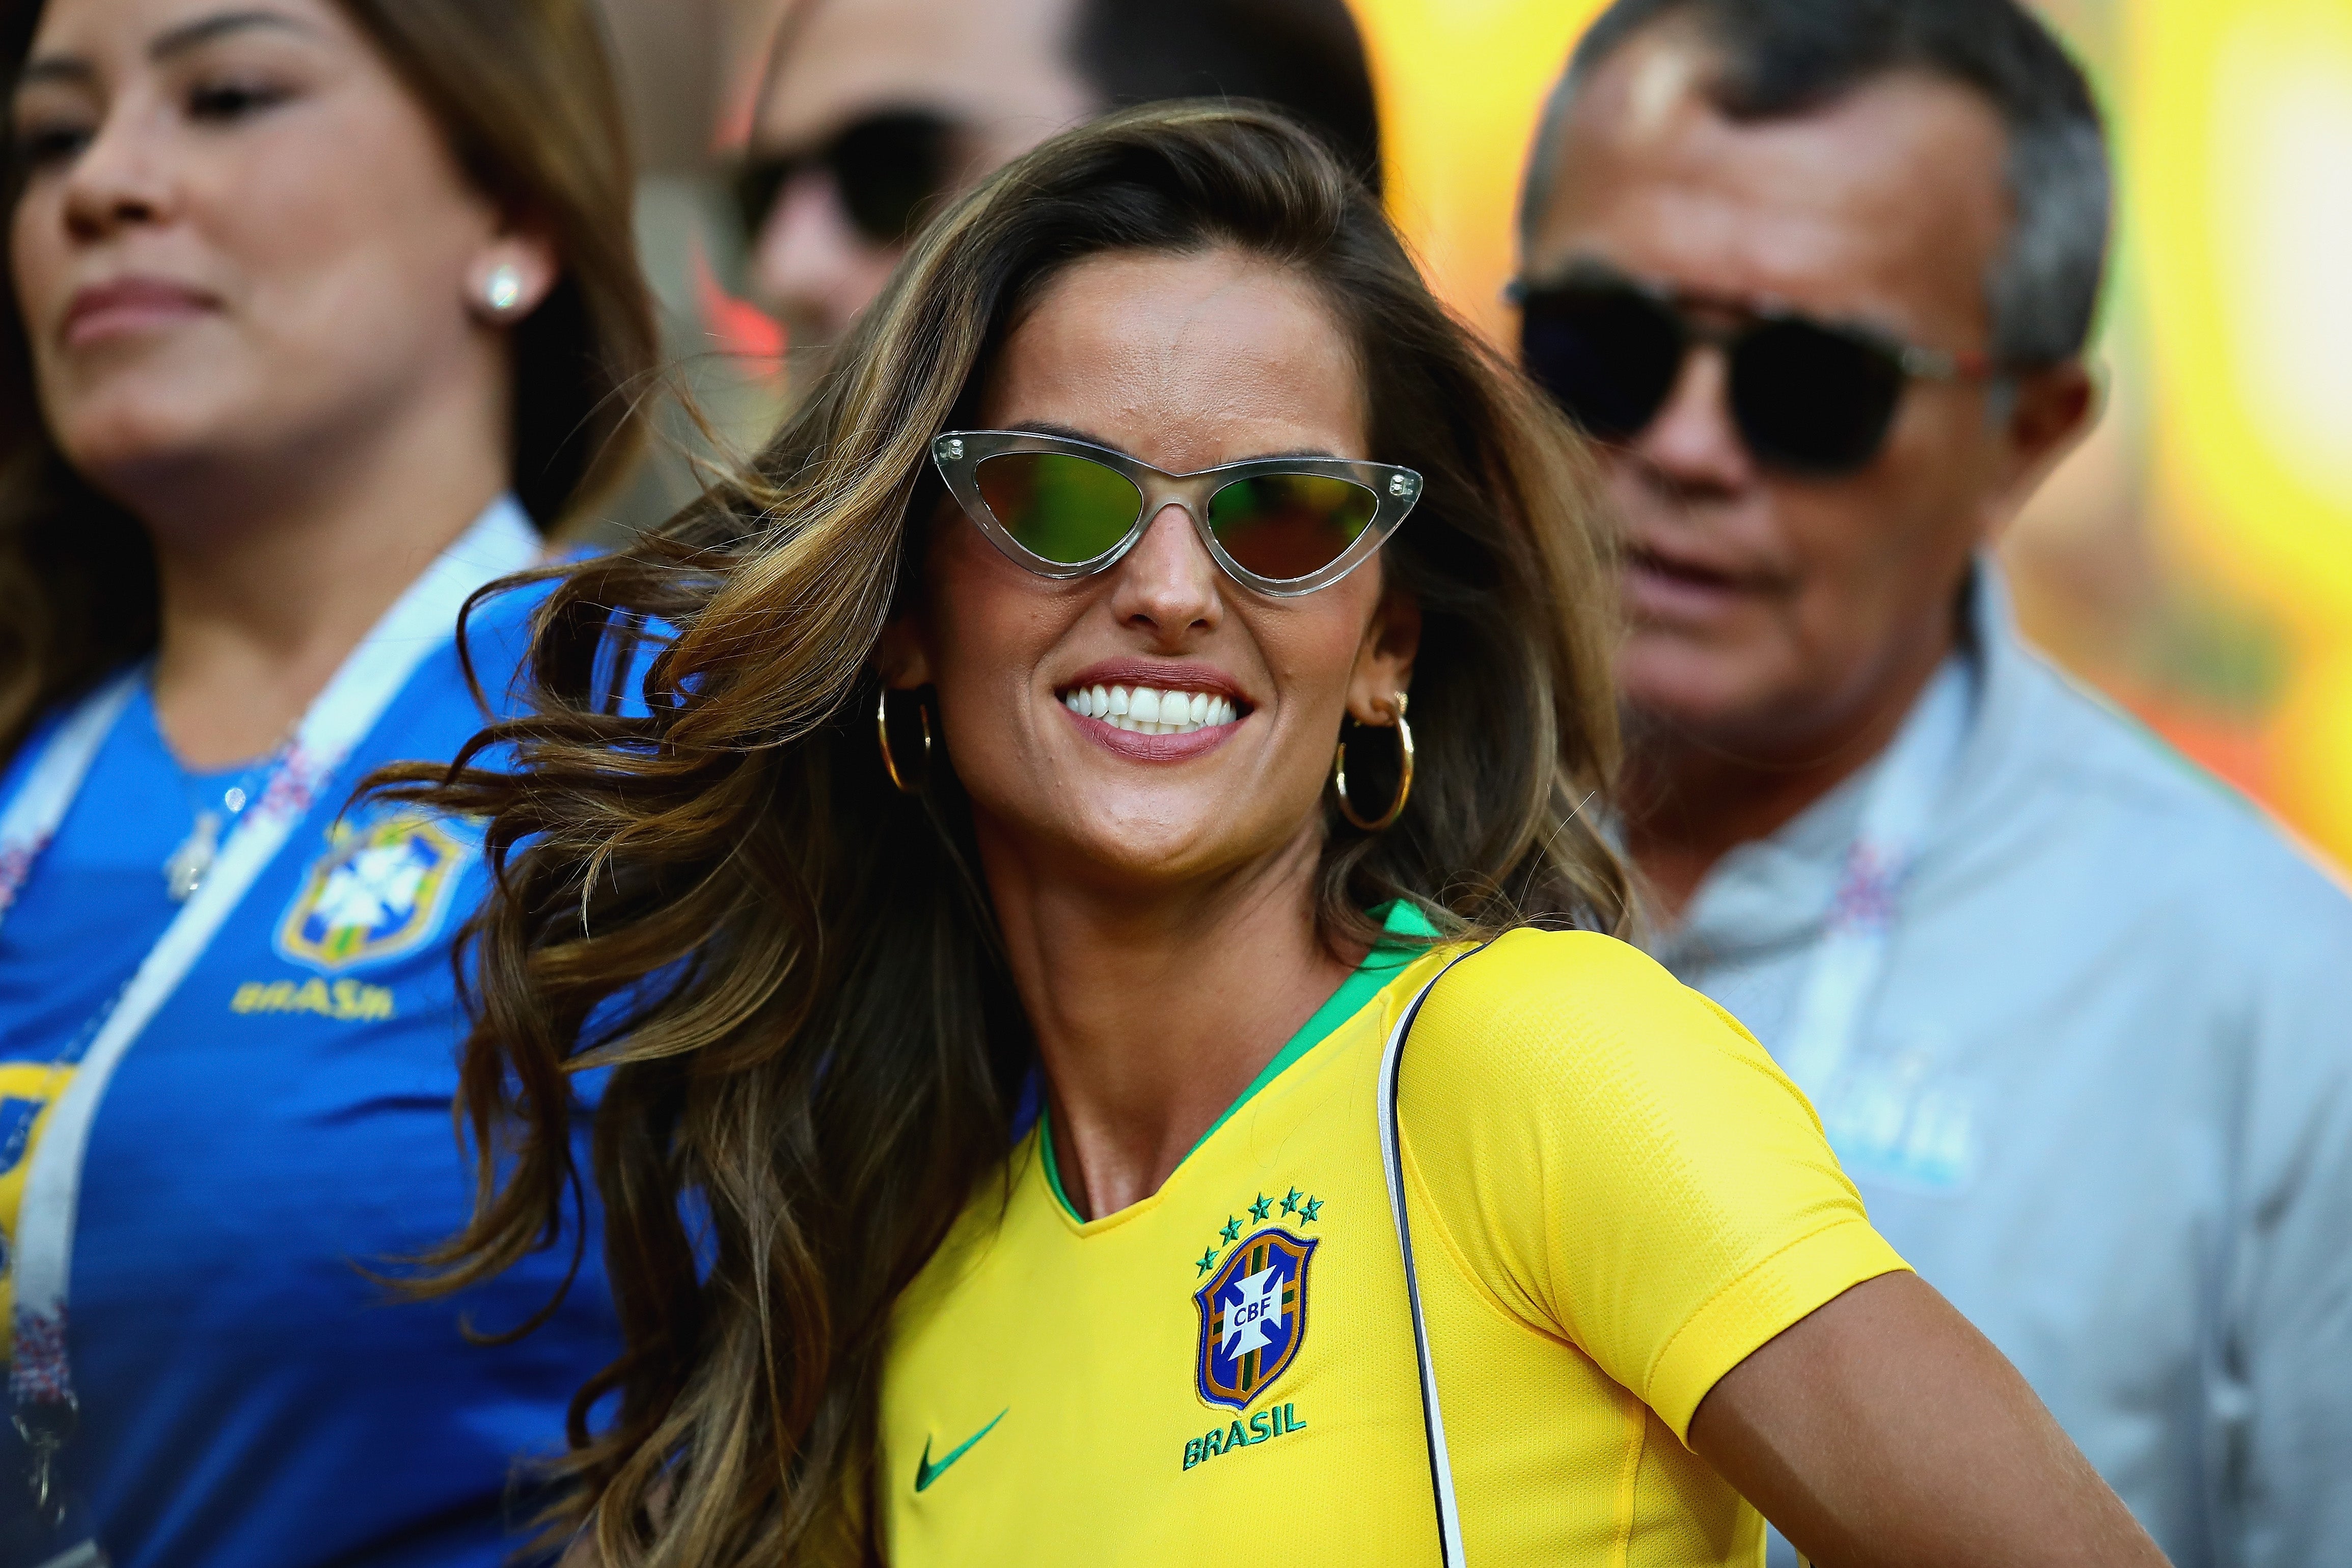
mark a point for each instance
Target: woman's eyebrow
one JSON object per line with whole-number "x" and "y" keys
{"x": 1067, "y": 433}
{"x": 1286, "y": 452}
{"x": 70, "y": 69}
{"x": 78, "y": 71}
{"x": 204, "y": 30}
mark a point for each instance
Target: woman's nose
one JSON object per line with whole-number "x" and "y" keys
{"x": 122, "y": 176}
{"x": 1168, "y": 584}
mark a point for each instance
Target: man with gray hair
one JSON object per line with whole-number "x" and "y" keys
{"x": 1818, "y": 276}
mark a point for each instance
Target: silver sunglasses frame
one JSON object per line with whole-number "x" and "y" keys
{"x": 957, "y": 454}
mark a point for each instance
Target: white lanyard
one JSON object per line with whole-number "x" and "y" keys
{"x": 1852, "y": 957}
{"x": 423, "y": 621}
{"x": 32, "y": 819}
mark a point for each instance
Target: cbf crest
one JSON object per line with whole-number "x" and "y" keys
{"x": 1252, "y": 1317}
{"x": 380, "y": 891}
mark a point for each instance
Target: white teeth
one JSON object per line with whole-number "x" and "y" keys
{"x": 1150, "y": 710}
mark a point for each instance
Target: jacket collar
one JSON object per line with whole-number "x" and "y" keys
{"x": 1776, "y": 891}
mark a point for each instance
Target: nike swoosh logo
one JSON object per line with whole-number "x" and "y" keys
{"x": 927, "y": 1473}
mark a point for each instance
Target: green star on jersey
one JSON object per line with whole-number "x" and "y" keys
{"x": 1207, "y": 1262}
{"x": 1313, "y": 1210}
{"x": 1232, "y": 1231}
{"x": 1290, "y": 1201}
{"x": 1259, "y": 1209}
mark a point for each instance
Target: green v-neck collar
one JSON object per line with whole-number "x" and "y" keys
{"x": 1382, "y": 965}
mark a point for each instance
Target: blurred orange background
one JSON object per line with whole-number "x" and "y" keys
{"x": 2193, "y": 561}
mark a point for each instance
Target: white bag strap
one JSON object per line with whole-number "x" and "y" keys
{"x": 1441, "y": 1469}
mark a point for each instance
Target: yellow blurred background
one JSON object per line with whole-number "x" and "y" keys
{"x": 2193, "y": 559}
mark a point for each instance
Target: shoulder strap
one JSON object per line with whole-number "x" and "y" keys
{"x": 1441, "y": 1469}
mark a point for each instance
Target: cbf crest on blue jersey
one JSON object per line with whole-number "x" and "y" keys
{"x": 1252, "y": 1317}
{"x": 382, "y": 891}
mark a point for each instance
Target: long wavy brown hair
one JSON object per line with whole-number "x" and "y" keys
{"x": 524, "y": 91}
{"x": 792, "y": 970}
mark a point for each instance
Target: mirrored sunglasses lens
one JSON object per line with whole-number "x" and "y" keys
{"x": 1610, "y": 355}
{"x": 1814, "y": 399}
{"x": 1282, "y": 526}
{"x": 1063, "y": 509}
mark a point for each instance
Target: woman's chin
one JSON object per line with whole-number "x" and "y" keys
{"x": 1145, "y": 841}
{"x": 124, "y": 443}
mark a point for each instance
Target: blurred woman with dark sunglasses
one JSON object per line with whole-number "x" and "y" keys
{"x": 876, "y": 113}
{"x": 1009, "y": 928}
{"x": 320, "y": 314}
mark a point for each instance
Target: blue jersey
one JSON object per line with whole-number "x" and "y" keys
{"x": 249, "y": 1396}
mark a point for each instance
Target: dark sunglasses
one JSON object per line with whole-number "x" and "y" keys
{"x": 890, "y": 168}
{"x": 1809, "y": 396}
{"x": 1064, "y": 509}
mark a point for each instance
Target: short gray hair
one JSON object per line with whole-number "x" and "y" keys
{"x": 1783, "y": 57}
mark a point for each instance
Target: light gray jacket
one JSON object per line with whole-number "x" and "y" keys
{"x": 2102, "y": 1098}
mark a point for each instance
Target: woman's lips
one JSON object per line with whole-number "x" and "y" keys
{"x": 128, "y": 307}
{"x": 1164, "y": 723}
{"x": 1141, "y": 748}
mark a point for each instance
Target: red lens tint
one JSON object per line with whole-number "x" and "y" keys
{"x": 1283, "y": 526}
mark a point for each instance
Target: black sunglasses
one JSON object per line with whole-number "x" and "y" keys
{"x": 891, "y": 168}
{"x": 1813, "y": 397}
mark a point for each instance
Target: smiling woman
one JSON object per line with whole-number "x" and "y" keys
{"x": 1001, "y": 1163}
{"x": 320, "y": 314}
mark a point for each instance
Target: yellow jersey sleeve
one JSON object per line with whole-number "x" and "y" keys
{"x": 1614, "y": 1161}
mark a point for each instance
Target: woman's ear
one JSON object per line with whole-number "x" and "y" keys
{"x": 1384, "y": 658}
{"x": 901, "y": 656}
{"x": 905, "y": 657}
{"x": 511, "y": 276}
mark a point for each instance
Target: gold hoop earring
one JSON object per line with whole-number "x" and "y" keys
{"x": 1404, "y": 777}
{"x": 882, "y": 733}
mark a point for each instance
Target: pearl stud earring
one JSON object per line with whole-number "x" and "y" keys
{"x": 502, "y": 290}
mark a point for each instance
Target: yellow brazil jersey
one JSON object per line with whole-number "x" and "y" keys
{"x": 1615, "y": 1197}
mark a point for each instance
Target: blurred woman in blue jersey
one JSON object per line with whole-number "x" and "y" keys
{"x": 324, "y": 314}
